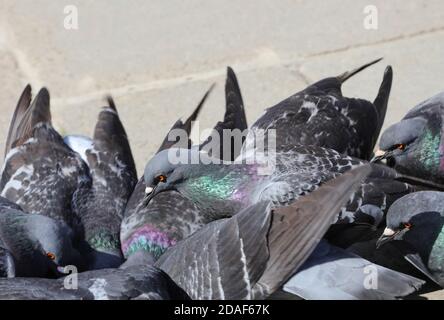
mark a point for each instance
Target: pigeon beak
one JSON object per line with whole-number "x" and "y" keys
{"x": 380, "y": 156}
{"x": 387, "y": 236}
{"x": 61, "y": 270}
{"x": 149, "y": 194}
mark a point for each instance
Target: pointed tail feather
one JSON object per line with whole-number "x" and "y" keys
{"x": 234, "y": 119}
{"x": 348, "y": 74}
{"x": 234, "y": 103}
{"x": 22, "y": 105}
{"x": 193, "y": 116}
{"x": 187, "y": 125}
{"x": 37, "y": 112}
{"x": 381, "y": 100}
{"x": 110, "y": 136}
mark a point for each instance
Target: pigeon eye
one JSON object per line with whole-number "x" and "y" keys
{"x": 161, "y": 178}
{"x": 400, "y": 146}
{"x": 406, "y": 225}
{"x": 51, "y": 255}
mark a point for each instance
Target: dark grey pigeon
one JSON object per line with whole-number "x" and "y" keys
{"x": 170, "y": 216}
{"x": 332, "y": 273}
{"x": 414, "y": 146}
{"x": 252, "y": 254}
{"x": 40, "y": 172}
{"x": 321, "y": 116}
{"x": 113, "y": 173}
{"x": 133, "y": 283}
{"x": 283, "y": 177}
{"x": 38, "y": 245}
{"x": 418, "y": 220}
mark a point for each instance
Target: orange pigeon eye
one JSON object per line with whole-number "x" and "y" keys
{"x": 400, "y": 146}
{"x": 51, "y": 255}
{"x": 161, "y": 178}
{"x": 407, "y": 226}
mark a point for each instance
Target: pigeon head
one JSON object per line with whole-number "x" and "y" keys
{"x": 167, "y": 169}
{"x": 414, "y": 146}
{"x": 41, "y": 246}
{"x": 54, "y": 238}
{"x": 415, "y": 218}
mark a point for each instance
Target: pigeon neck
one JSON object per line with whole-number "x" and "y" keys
{"x": 432, "y": 153}
{"x": 103, "y": 240}
{"x": 147, "y": 238}
{"x": 222, "y": 189}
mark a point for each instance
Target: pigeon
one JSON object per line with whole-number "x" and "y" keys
{"x": 221, "y": 189}
{"x": 418, "y": 220}
{"x": 253, "y": 253}
{"x": 414, "y": 145}
{"x": 138, "y": 231}
{"x": 33, "y": 245}
{"x": 113, "y": 174}
{"x": 170, "y": 216}
{"x": 40, "y": 172}
{"x": 133, "y": 283}
{"x": 321, "y": 116}
{"x": 332, "y": 273}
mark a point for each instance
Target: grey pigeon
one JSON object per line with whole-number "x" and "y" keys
{"x": 334, "y": 273}
{"x": 418, "y": 220}
{"x": 40, "y": 172}
{"x": 101, "y": 206}
{"x": 224, "y": 189}
{"x": 414, "y": 146}
{"x": 170, "y": 216}
{"x": 321, "y": 116}
{"x": 132, "y": 283}
{"x": 34, "y": 245}
{"x": 252, "y": 254}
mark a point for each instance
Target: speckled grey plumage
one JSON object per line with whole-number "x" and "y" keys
{"x": 40, "y": 172}
{"x": 134, "y": 283}
{"x": 101, "y": 206}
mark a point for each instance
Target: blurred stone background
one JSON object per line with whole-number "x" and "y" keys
{"x": 157, "y": 58}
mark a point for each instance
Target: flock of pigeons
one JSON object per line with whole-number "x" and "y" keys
{"x": 326, "y": 223}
